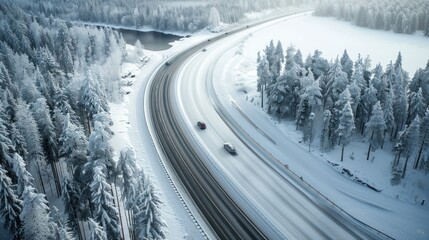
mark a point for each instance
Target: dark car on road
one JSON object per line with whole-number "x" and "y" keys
{"x": 201, "y": 125}
{"x": 230, "y": 148}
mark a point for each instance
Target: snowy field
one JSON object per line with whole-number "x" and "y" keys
{"x": 307, "y": 33}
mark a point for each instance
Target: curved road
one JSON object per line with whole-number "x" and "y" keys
{"x": 300, "y": 212}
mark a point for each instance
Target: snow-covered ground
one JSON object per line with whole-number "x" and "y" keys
{"x": 306, "y": 33}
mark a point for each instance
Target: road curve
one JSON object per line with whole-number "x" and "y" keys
{"x": 221, "y": 212}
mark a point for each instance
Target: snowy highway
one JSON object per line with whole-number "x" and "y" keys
{"x": 256, "y": 183}
{"x": 269, "y": 194}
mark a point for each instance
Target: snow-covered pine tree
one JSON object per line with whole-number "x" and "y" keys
{"x": 416, "y": 105}
{"x": 347, "y": 64}
{"x": 96, "y": 232}
{"x": 325, "y": 145}
{"x": 28, "y": 128}
{"x": 283, "y": 95}
{"x": 73, "y": 146}
{"x": 290, "y": 57}
{"x": 6, "y": 145}
{"x": 364, "y": 112}
{"x": 264, "y": 77}
{"x": 47, "y": 132}
{"x": 336, "y": 84}
{"x": 104, "y": 210}
{"x": 100, "y": 151}
{"x": 400, "y": 106}
{"x": 35, "y": 216}
{"x": 127, "y": 169}
{"x": 127, "y": 172}
{"x": 278, "y": 59}
{"x": 376, "y": 125}
{"x": 269, "y": 53}
{"x": 24, "y": 177}
{"x": 73, "y": 206}
{"x": 410, "y": 141}
{"x": 148, "y": 222}
{"x": 388, "y": 115}
{"x": 61, "y": 229}
{"x": 298, "y": 59}
{"x": 64, "y": 48}
{"x": 214, "y": 18}
{"x": 345, "y": 127}
{"x": 378, "y": 83}
{"x": 423, "y": 140}
{"x": 319, "y": 64}
{"x": 10, "y": 205}
{"x": 91, "y": 99}
{"x": 355, "y": 94}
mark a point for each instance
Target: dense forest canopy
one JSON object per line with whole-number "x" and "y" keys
{"x": 176, "y": 15}
{"x": 401, "y": 16}
{"x": 349, "y": 97}
{"x": 56, "y": 80}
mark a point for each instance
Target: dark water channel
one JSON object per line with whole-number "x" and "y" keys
{"x": 152, "y": 40}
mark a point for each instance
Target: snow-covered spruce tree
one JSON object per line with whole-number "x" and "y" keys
{"x": 35, "y": 216}
{"x": 127, "y": 170}
{"x": 10, "y": 205}
{"x": 290, "y": 57}
{"x": 148, "y": 222}
{"x": 367, "y": 102}
{"x": 62, "y": 231}
{"x": 104, "y": 210}
{"x": 127, "y": 177}
{"x": 298, "y": 59}
{"x": 416, "y": 105}
{"x": 311, "y": 102}
{"x": 270, "y": 50}
{"x": 100, "y": 151}
{"x": 388, "y": 115}
{"x": 24, "y": 177}
{"x": 48, "y": 137}
{"x": 336, "y": 83}
{"x": 423, "y": 140}
{"x": 214, "y": 18}
{"x": 355, "y": 94}
{"x": 421, "y": 80}
{"x": 6, "y": 145}
{"x": 376, "y": 78}
{"x": 74, "y": 209}
{"x": 345, "y": 127}
{"x": 73, "y": 147}
{"x": 347, "y": 64}
{"x": 409, "y": 140}
{"x": 96, "y": 232}
{"x": 283, "y": 97}
{"x": 91, "y": 99}
{"x": 319, "y": 65}
{"x": 376, "y": 125}
{"x": 400, "y": 106}
{"x": 64, "y": 48}
{"x": 28, "y": 128}
{"x": 264, "y": 77}
{"x": 278, "y": 60}
{"x": 325, "y": 145}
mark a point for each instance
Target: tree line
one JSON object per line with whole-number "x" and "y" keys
{"x": 188, "y": 16}
{"x": 400, "y": 16}
{"x": 56, "y": 80}
{"x": 349, "y": 97}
